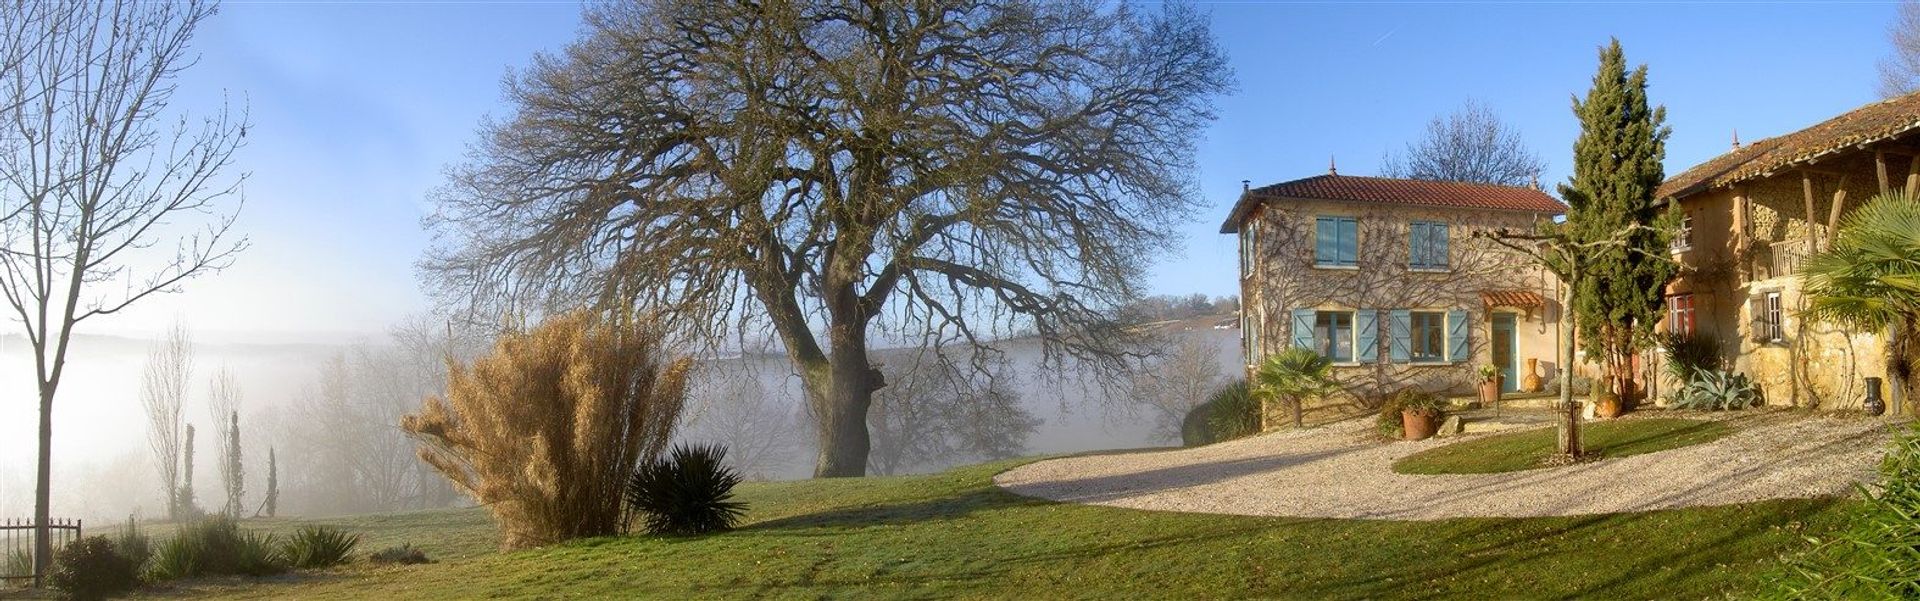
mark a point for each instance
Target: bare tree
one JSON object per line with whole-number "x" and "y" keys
{"x": 223, "y": 407}
{"x": 730, "y": 406}
{"x": 939, "y": 412}
{"x": 1169, "y": 385}
{"x": 1469, "y": 145}
{"x": 1900, "y": 71}
{"x": 835, "y": 172}
{"x": 163, "y": 392}
{"x": 99, "y": 184}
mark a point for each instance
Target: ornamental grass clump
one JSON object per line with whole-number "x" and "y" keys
{"x": 546, "y": 428}
{"x": 1878, "y": 555}
{"x": 319, "y": 547}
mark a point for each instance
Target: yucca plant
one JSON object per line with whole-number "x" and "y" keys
{"x": 319, "y": 547}
{"x": 178, "y": 557}
{"x": 1230, "y": 412}
{"x": 689, "y": 491}
{"x": 216, "y": 547}
{"x": 1294, "y": 376}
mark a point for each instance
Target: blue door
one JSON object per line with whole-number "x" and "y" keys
{"x": 1503, "y": 355}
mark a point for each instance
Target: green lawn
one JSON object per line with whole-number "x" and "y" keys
{"x": 1524, "y": 450}
{"x": 955, "y": 535}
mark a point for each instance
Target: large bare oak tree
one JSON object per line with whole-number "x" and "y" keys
{"x": 841, "y": 174}
{"x": 106, "y": 197}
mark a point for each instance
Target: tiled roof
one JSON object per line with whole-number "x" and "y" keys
{"x": 1865, "y": 125}
{"x": 1518, "y": 299}
{"x": 1397, "y": 191}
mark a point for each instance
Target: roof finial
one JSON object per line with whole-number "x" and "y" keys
{"x": 1736, "y": 138}
{"x": 1331, "y": 169}
{"x": 1245, "y": 185}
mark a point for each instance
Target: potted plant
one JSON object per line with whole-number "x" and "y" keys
{"x": 1420, "y": 414}
{"x": 1489, "y": 385}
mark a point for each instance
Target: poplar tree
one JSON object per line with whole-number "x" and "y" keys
{"x": 1616, "y": 170}
{"x": 236, "y": 486}
{"x": 186, "y": 477}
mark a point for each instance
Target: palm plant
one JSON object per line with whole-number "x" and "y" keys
{"x": 1868, "y": 278}
{"x": 1293, "y": 376}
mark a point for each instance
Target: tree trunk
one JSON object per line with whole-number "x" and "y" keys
{"x": 1569, "y": 430}
{"x": 844, "y": 442}
{"x": 1298, "y": 422}
{"x": 42, "y": 501}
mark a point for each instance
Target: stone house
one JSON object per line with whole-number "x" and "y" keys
{"x": 1753, "y": 215}
{"x": 1385, "y": 277}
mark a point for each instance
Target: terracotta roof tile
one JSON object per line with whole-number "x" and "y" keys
{"x": 1865, "y": 125}
{"x": 1396, "y": 191}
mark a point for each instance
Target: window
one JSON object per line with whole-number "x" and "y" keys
{"x": 1333, "y": 335}
{"x": 1427, "y": 245}
{"x": 1249, "y": 245}
{"x": 1429, "y": 336}
{"x": 1336, "y": 242}
{"x": 1680, "y": 314}
{"x": 1771, "y": 326}
{"x": 1683, "y": 239}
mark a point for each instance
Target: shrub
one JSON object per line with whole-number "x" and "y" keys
{"x": 216, "y": 547}
{"x": 405, "y": 554}
{"x": 545, "y": 429}
{"x": 1875, "y": 557}
{"x": 1229, "y": 413}
{"x": 688, "y": 492}
{"x": 1717, "y": 390}
{"x": 319, "y": 547}
{"x": 90, "y": 568}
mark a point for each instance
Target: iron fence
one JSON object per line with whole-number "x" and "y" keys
{"x": 16, "y": 541}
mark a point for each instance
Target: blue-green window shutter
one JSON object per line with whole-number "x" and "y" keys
{"x": 1349, "y": 242}
{"x": 1439, "y": 239}
{"x": 1400, "y": 335}
{"x": 1326, "y": 241}
{"x": 1366, "y": 329}
{"x": 1417, "y": 244}
{"x": 1303, "y": 328}
{"x": 1457, "y": 336}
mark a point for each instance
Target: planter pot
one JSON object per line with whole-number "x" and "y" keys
{"x": 1418, "y": 426}
{"x": 1490, "y": 392}
{"x": 1609, "y": 406}
{"x": 1531, "y": 381}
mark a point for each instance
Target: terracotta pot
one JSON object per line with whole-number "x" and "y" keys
{"x": 1609, "y": 406}
{"x": 1490, "y": 392}
{"x": 1531, "y": 381}
{"x": 1418, "y": 426}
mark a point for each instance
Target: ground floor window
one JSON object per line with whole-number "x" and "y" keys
{"x": 1428, "y": 336}
{"x": 1680, "y": 314}
{"x": 1333, "y": 335}
{"x": 1770, "y": 319}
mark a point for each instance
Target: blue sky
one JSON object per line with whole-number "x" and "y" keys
{"x": 357, "y": 108}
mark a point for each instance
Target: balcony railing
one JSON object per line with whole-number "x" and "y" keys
{"x": 1779, "y": 259}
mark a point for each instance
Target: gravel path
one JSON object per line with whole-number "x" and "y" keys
{"x": 1339, "y": 471}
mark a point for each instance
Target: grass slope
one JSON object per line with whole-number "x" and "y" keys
{"x": 1523, "y": 450}
{"x": 953, "y": 535}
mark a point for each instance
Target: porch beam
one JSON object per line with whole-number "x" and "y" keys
{"x": 1913, "y": 176}
{"x": 1806, "y": 193}
{"x": 1833, "y": 212}
{"x": 1880, "y": 169}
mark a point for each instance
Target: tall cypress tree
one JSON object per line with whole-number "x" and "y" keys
{"x": 236, "y": 485}
{"x": 273, "y": 483}
{"x": 187, "y": 505}
{"x": 1616, "y": 170}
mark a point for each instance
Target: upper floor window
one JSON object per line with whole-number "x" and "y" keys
{"x": 1683, "y": 239}
{"x": 1249, "y": 245}
{"x": 1427, "y": 245}
{"x": 1336, "y": 242}
{"x": 1680, "y": 314}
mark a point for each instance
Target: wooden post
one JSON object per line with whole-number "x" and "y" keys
{"x": 1833, "y": 213}
{"x": 1806, "y": 191}
{"x": 1880, "y": 169}
{"x": 1741, "y": 242}
{"x": 1913, "y": 176}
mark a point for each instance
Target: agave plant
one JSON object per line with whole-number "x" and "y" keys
{"x": 1294, "y": 376}
{"x": 319, "y": 547}
{"x": 690, "y": 491}
{"x": 1717, "y": 390}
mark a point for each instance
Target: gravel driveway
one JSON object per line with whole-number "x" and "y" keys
{"x": 1340, "y": 471}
